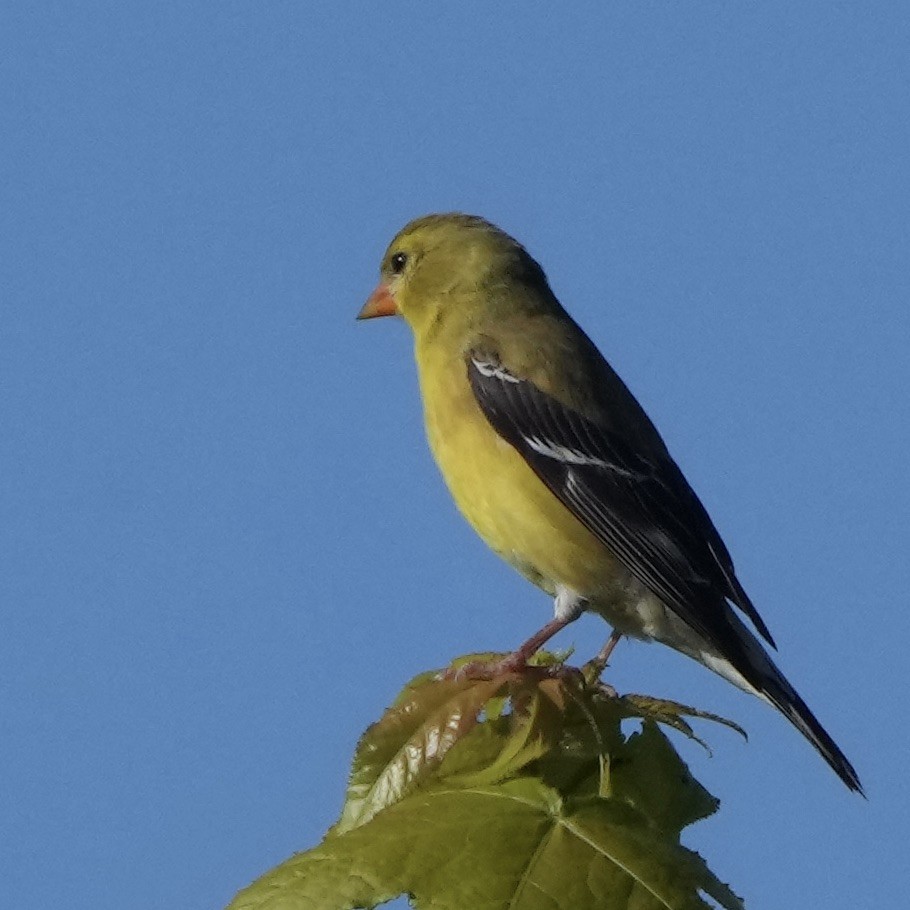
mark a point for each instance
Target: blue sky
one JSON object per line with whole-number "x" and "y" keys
{"x": 224, "y": 546}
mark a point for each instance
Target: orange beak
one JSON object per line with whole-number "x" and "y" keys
{"x": 381, "y": 303}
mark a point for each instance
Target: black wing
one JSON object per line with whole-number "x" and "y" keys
{"x": 642, "y": 509}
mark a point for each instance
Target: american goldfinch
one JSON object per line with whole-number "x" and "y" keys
{"x": 556, "y": 466}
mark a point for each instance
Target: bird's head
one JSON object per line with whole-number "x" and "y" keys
{"x": 452, "y": 267}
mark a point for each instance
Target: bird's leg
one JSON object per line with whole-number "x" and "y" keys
{"x": 604, "y": 656}
{"x": 519, "y": 658}
{"x": 515, "y": 662}
{"x": 596, "y": 666}
{"x": 568, "y": 607}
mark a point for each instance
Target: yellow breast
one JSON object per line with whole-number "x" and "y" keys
{"x": 502, "y": 498}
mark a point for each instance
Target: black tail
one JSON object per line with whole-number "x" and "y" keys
{"x": 745, "y": 655}
{"x": 788, "y": 702}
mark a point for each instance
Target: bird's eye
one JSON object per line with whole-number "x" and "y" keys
{"x": 398, "y": 262}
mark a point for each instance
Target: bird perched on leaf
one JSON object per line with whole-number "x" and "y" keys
{"x": 557, "y": 467}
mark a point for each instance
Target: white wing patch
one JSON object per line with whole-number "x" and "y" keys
{"x": 574, "y": 456}
{"x": 563, "y": 453}
{"x": 493, "y": 370}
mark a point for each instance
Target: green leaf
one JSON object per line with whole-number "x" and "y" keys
{"x": 647, "y": 773}
{"x": 525, "y": 726}
{"x": 413, "y": 736}
{"x": 515, "y": 845}
{"x": 672, "y": 713}
{"x": 514, "y": 793}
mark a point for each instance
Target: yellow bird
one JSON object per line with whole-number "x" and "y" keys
{"x": 558, "y": 468}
